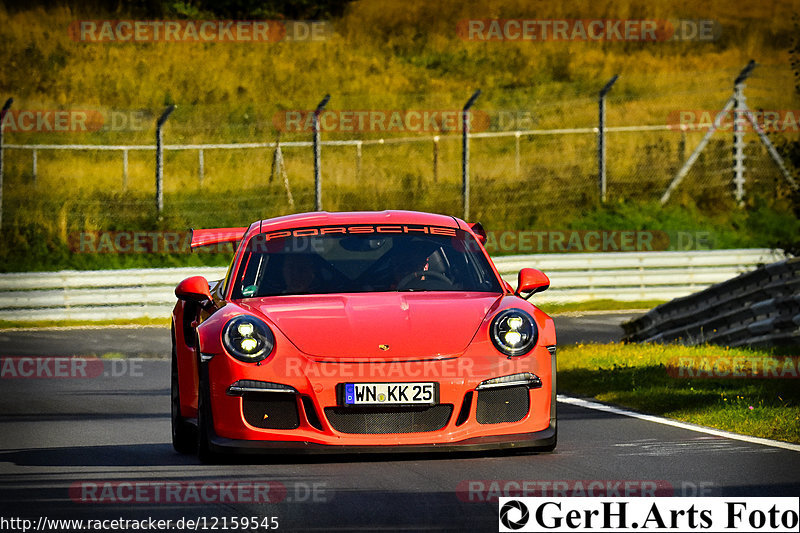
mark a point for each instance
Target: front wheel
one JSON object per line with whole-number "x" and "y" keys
{"x": 204, "y": 423}
{"x": 184, "y": 439}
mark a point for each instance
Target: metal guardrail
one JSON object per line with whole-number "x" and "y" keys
{"x": 759, "y": 308}
{"x": 123, "y": 294}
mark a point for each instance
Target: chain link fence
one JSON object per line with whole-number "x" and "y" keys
{"x": 533, "y": 157}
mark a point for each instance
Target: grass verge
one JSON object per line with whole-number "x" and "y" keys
{"x": 596, "y": 305}
{"x": 708, "y": 385}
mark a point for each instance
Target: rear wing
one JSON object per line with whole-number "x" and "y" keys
{"x": 204, "y": 237}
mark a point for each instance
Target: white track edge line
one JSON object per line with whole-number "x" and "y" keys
{"x": 675, "y": 423}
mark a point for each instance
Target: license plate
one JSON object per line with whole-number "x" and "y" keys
{"x": 390, "y": 393}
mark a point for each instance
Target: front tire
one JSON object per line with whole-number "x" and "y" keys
{"x": 204, "y": 422}
{"x": 184, "y": 439}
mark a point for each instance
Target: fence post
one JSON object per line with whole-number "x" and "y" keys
{"x": 317, "y": 160}
{"x": 714, "y": 126}
{"x": 358, "y": 159}
{"x": 696, "y": 153}
{"x": 601, "y": 138}
{"x": 465, "y": 153}
{"x": 517, "y": 165}
{"x": 3, "y": 112}
{"x": 201, "y": 167}
{"x": 160, "y": 158}
{"x": 124, "y": 170}
{"x": 435, "y": 158}
{"x": 35, "y": 166}
{"x": 739, "y": 117}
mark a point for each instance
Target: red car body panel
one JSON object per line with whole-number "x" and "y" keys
{"x": 411, "y": 324}
{"x": 323, "y": 341}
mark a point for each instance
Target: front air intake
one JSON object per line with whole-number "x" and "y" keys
{"x": 270, "y": 410}
{"x": 502, "y": 405}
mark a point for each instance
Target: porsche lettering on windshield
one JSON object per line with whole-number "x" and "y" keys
{"x": 363, "y": 258}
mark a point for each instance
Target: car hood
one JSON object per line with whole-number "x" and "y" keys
{"x": 392, "y": 325}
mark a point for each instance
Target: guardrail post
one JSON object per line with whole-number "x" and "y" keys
{"x": 601, "y": 138}
{"x": 160, "y": 158}
{"x": 465, "y": 115}
{"x": 317, "y": 159}
{"x": 3, "y": 112}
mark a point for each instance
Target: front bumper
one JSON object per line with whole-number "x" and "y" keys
{"x": 315, "y": 398}
{"x": 545, "y": 440}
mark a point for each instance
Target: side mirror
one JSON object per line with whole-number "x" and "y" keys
{"x": 194, "y": 289}
{"x": 532, "y": 281}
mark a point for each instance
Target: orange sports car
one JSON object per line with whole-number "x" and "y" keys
{"x": 362, "y": 331}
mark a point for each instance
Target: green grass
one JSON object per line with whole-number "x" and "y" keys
{"x": 636, "y": 376}
{"x": 392, "y": 56}
{"x": 596, "y": 305}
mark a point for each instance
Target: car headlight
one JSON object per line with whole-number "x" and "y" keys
{"x": 514, "y": 332}
{"x": 248, "y": 339}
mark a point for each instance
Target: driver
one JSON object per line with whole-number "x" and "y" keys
{"x": 412, "y": 262}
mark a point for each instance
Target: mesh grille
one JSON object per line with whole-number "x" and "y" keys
{"x": 271, "y": 410}
{"x": 503, "y": 405}
{"x": 389, "y": 419}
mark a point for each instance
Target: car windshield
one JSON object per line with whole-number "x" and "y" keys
{"x": 351, "y": 259}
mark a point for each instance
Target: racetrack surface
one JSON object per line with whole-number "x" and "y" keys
{"x": 66, "y": 443}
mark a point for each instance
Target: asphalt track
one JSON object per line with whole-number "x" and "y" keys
{"x": 98, "y": 448}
